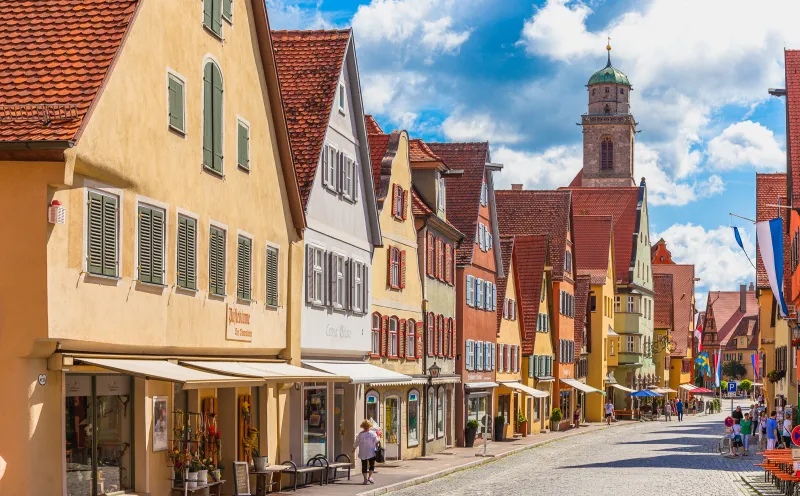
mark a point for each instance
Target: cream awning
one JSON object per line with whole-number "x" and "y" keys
{"x": 168, "y": 371}
{"x": 526, "y": 389}
{"x": 622, "y": 388}
{"x": 360, "y": 372}
{"x": 581, "y": 386}
{"x": 269, "y": 371}
{"x": 480, "y": 385}
{"x": 687, "y": 387}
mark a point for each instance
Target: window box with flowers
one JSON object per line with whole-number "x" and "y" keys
{"x": 776, "y": 375}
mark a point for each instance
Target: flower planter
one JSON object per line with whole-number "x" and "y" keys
{"x": 554, "y": 425}
{"x": 469, "y": 436}
{"x": 260, "y": 463}
{"x": 523, "y": 428}
{"x": 191, "y": 480}
{"x": 202, "y": 477}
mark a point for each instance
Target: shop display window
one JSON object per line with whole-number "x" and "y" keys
{"x": 477, "y": 410}
{"x": 440, "y": 413}
{"x": 431, "y": 414}
{"x": 315, "y": 415}
{"x": 413, "y": 418}
{"x": 373, "y": 403}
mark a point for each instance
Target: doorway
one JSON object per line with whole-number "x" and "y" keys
{"x": 392, "y": 427}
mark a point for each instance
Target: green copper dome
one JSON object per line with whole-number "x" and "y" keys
{"x": 609, "y": 74}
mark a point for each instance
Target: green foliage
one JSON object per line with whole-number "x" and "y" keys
{"x": 734, "y": 369}
{"x": 521, "y": 417}
{"x": 746, "y": 385}
{"x": 556, "y": 415}
{"x": 698, "y": 380}
{"x": 473, "y": 424}
{"x": 724, "y": 385}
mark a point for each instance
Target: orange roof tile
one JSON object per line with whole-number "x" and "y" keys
{"x": 662, "y": 304}
{"x": 378, "y": 148}
{"x": 55, "y": 55}
{"x": 592, "y": 243}
{"x": 530, "y": 255}
{"x": 770, "y": 190}
{"x": 418, "y": 205}
{"x": 724, "y": 305}
{"x": 682, "y": 308}
{"x": 309, "y": 64}
{"x": 372, "y": 125}
{"x": 792, "y": 67}
{"x": 418, "y": 151}
{"x": 747, "y": 327}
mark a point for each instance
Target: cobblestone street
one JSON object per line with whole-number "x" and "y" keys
{"x": 660, "y": 458}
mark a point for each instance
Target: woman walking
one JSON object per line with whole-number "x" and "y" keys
{"x": 762, "y": 431}
{"x": 746, "y": 431}
{"x": 366, "y": 442}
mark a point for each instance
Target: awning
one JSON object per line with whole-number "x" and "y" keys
{"x": 581, "y": 386}
{"x": 269, "y": 371}
{"x": 546, "y": 379}
{"x": 661, "y": 390}
{"x": 480, "y": 385}
{"x": 526, "y": 389}
{"x": 360, "y": 372}
{"x": 622, "y": 388}
{"x": 168, "y": 371}
{"x": 687, "y": 387}
{"x": 611, "y": 332}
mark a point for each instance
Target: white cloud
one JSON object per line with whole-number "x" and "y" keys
{"x": 396, "y": 95}
{"x": 287, "y": 15}
{"x": 551, "y": 169}
{"x": 664, "y": 190}
{"x": 478, "y": 127}
{"x": 746, "y": 144}
{"x": 559, "y": 31}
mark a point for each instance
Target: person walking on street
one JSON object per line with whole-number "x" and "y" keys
{"x": 762, "y": 430}
{"x": 694, "y": 407}
{"x": 772, "y": 431}
{"x": 667, "y": 411}
{"x": 609, "y": 411}
{"x": 737, "y": 415}
{"x": 367, "y": 443}
{"x": 679, "y": 409}
{"x": 576, "y": 417}
{"x": 787, "y": 432}
{"x": 746, "y": 431}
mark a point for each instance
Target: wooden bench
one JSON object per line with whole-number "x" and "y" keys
{"x": 305, "y": 470}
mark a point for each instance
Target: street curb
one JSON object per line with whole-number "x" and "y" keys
{"x": 483, "y": 461}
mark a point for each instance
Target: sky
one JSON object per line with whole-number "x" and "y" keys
{"x": 514, "y": 73}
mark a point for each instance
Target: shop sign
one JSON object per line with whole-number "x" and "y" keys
{"x": 237, "y": 323}
{"x": 113, "y": 385}
{"x": 78, "y": 385}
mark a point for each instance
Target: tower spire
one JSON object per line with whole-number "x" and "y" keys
{"x": 608, "y": 47}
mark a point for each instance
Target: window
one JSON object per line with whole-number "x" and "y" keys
{"x": 187, "y": 253}
{"x": 212, "y": 115}
{"x": 630, "y": 344}
{"x": 611, "y": 347}
{"x": 372, "y": 404}
{"x": 592, "y": 303}
{"x": 430, "y": 335}
{"x": 606, "y": 153}
{"x": 440, "y": 410}
{"x": 399, "y": 202}
{"x": 413, "y": 418}
{"x": 440, "y": 198}
{"x": 617, "y": 304}
{"x": 350, "y": 186}
{"x": 568, "y": 262}
{"x": 376, "y": 334}
{"x": 484, "y": 194}
{"x": 102, "y": 234}
{"x": 470, "y": 290}
{"x": 478, "y": 292}
{"x": 176, "y": 118}
{"x": 607, "y": 89}
{"x": 393, "y": 343}
{"x": 330, "y": 167}
{"x": 337, "y": 281}
{"x": 630, "y": 304}
{"x": 212, "y": 16}
{"x": 243, "y": 268}
{"x": 151, "y": 245}
{"x": 411, "y": 339}
{"x": 395, "y": 259}
{"x": 243, "y": 145}
{"x": 500, "y": 357}
{"x": 507, "y": 358}
{"x": 315, "y": 275}
{"x": 469, "y": 350}
{"x": 227, "y": 10}
{"x": 431, "y": 414}
{"x": 479, "y": 351}
{"x": 342, "y": 92}
{"x": 359, "y": 286}
{"x": 440, "y": 336}
{"x": 216, "y": 261}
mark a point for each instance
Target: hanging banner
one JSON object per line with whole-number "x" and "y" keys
{"x": 769, "y": 236}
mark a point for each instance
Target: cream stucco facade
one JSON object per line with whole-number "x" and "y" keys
{"x": 602, "y": 320}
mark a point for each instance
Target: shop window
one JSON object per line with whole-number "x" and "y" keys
{"x": 431, "y": 414}
{"x": 504, "y": 407}
{"x": 315, "y": 407}
{"x": 372, "y": 403}
{"x": 413, "y": 418}
{"x": 440, "y": 413}
{"x": 536, "y": 402}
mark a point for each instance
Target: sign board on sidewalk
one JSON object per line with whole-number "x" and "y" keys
{"x": 731, "y": 387}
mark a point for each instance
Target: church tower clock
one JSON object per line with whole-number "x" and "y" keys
{"x": 609, "y": 130}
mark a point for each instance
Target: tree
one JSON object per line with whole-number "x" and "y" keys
{"x": 698, "y": 380}
{"x": 723, "y": 385}
{"x": 746, "y": 385}
{"x": 734, "y": 369}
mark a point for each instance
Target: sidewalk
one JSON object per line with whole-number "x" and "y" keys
{"x": 397, "y": 475}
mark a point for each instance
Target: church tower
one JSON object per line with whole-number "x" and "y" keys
{"x": 609, "y": 130}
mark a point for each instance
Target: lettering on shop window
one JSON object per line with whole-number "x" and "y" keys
{"x": 238, "y": 324}
{"x": 340, "y": 332}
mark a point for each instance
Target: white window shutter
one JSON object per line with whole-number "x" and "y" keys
{"x": 469, "y": 354}
{"x": 325, "y": 158}
{"x": 356, "y": 173}
{"x": 469, "y": 291}
{"x": 478, "y": 356}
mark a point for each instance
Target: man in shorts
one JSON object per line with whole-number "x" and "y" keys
{"x": 609, "y": 408}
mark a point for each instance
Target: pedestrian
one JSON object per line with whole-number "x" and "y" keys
{"x": 737, "y": 415}
{"x": 667, "y": 411}
{"x": 762, "y": 430}
{"x": 2, "y": 467}
{"x": 576, "y": 417}
{"x": 772, "y": 431}
{"x": 787, "y": 432}
{"x": 736, "y": 439}
{"x": 679, "y": 409}
{"x": 746, "y": 426}
{"x": 367, "y": 443}
{"x": 609, "y": 411}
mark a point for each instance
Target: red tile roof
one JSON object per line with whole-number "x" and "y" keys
{"x": 56, "y": 54}
{"x": 372, "y": 125}
{"x": 577, "y": 181}
{"x": 682, "y": 308}
{"x": 378, "y": 147}
{"x": 506, "y": 250}
{"x": 792, "y": 65}
{"x": 592, "y": 245}
{"x": 464, "y": 192}
{"x": 621, "y": 204}
{"x": 530, "y": 255}
{"x": 747, "y": 327}
{"x": 419, "y": 151}
{"x": 418, "y": 205}
{"x": 309, "y": 64}
{"x": 521, "y": 212}
{"x": 770, "y": 190}
{"x": 725, "y": 307}
{"x": 662, "y": 304}
{"x": 582, "y": 284}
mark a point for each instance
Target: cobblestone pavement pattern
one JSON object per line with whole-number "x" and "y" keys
{"x": 653, "y": 458}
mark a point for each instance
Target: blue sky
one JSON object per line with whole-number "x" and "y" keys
{"x": 514, "y": 73}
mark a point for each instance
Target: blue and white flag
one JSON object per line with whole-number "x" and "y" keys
{"x": 769, "y": 236}
{"x": 738, "y": 237}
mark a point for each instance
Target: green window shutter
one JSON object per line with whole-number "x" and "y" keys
{"x": 158, "y": 247}
{"x": 208, "y": 12}
{"x": 272, "y": 276}
{"x": 216, "y": 17}
{"x": 94, "y": 230}
{"x": 208, "y": 120}
{"x": 187, "y": 253}
{"x": 243, "y": 262}
{"x": 216, "y": 111}
{"x": 145, "y": 229}
{"x": 243, "y": 140}
{"x": 227, "y": 9}
{"x": 175, "y": 88}
{"x": 109, "y": 236}
{"x": 216, "y": 262}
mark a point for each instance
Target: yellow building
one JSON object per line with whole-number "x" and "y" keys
{"x": 176, "y": 242}
{"x": 398, "y": 327}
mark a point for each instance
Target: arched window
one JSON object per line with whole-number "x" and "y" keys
{"x": 373, "y": 409}
{"x": 212, "y": 117}
{"x": 606, "y": 153}
{"x": 413, "y": 418}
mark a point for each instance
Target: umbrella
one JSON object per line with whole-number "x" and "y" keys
{"x": 701, "y": 390}
{"x": 644, "y": 393}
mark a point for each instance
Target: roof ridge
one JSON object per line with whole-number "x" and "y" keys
{"x": 312, "y": 31}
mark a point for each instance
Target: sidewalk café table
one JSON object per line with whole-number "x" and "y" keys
{"x": 266, "y": 480}
{"x": 778, "y": 468}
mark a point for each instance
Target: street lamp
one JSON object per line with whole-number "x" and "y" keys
{"x": 434, "y": 370}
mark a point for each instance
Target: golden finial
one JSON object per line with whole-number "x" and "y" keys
{"x": 608, "y": 47}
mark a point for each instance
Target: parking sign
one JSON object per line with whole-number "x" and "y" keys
{"x": 731, "y": 387}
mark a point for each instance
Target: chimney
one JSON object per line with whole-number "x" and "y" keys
{"x": 752, "y": 287}
{"x": 516, "y": 187}
{"x": 743, "y": 298}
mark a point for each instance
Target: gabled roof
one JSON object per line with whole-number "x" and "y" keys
{"x": 419, "y": 151}
{"x": 523, "y": 212}
{"x": 662, "y": 304}
{"x": 792, "y": 65}
{"x": 582, "y": 284}
{"x": 621, "y": 204}
{"x": 464, "y": 192}
{"x": 506, "y": 251}
{"x": 725, "y": 307}
{"x": 422, "y": 210}
{"x": 56, "y": 55}
{"x": 770, "y": 190}
{"x": 378, "y": 147}
{"x": 592, "y": 246}
{"x": 309, "y": 65}
{"x": 747, "y": 327}
{"x": 683, "y": 311}
{"x": 372, "y": 125}
{"x": 530, "y": 256}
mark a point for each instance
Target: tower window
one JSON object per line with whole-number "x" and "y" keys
{"x": 594, "y": 90}
{"x": 621, "y": 91}
{"x": 606, "y": 153}
{"x": 607, "y": 109}
{"x": 607, "y": 90}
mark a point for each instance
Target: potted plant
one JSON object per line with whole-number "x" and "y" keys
{"x": 194, "y": 473}
{"x": 522, "y": 424}
{"x": 470, "y": 432}
{"x": 499, "y": 428}
{"x": 252, "y": 445}
{"x": 555, "y": 418}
